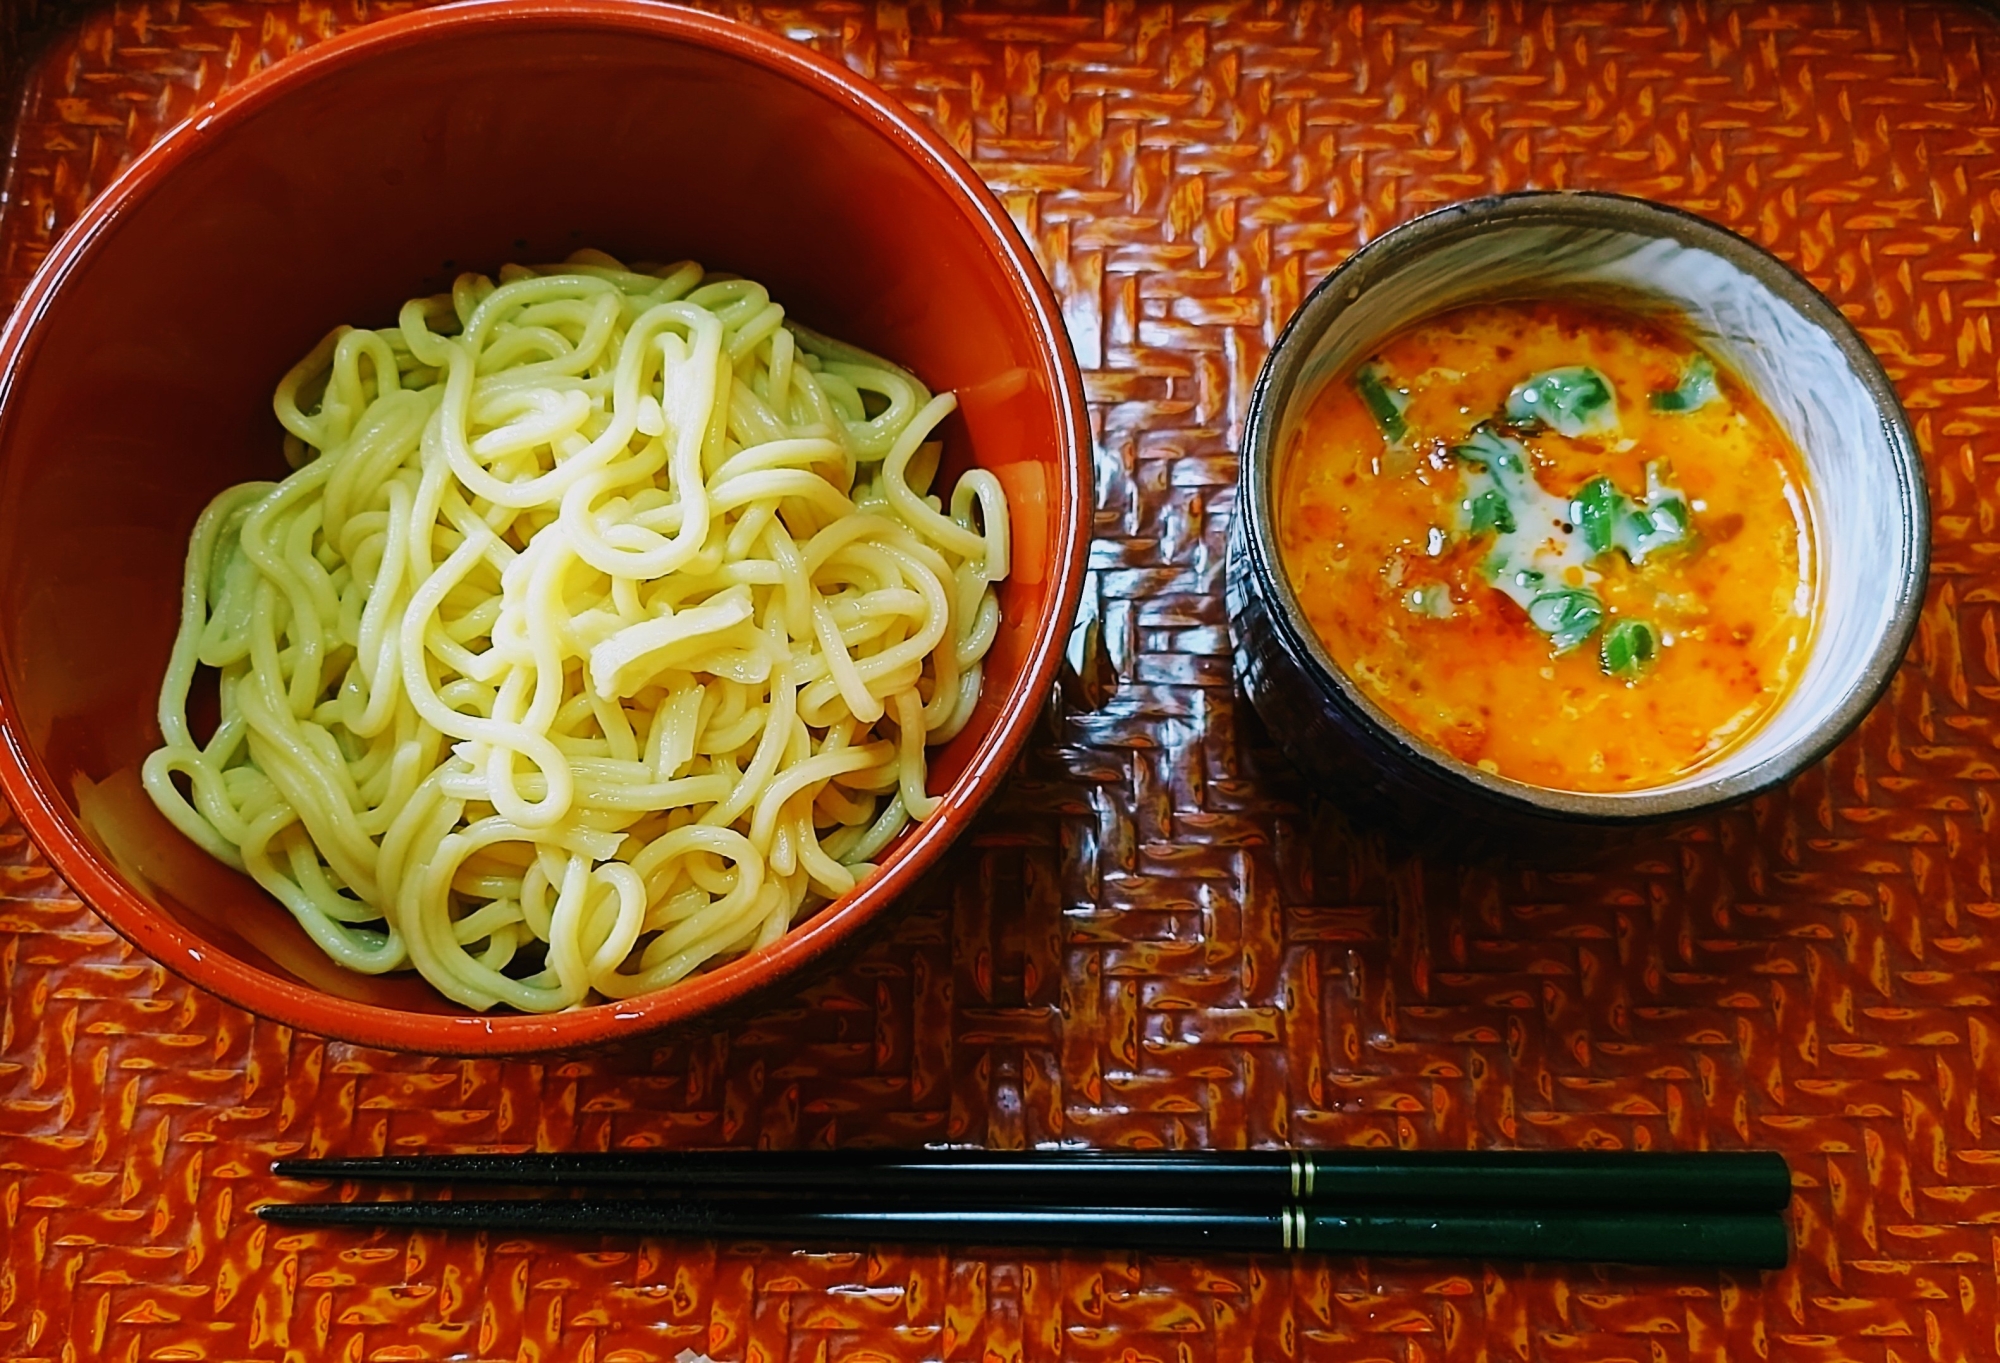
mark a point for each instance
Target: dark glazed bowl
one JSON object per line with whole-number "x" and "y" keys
{"x": 1870, "y": 509}
{"x": 136, "y": 381}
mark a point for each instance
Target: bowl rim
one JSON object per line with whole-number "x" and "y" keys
{"x": 28, "y": 788}
{"x": 1412, "y": 240}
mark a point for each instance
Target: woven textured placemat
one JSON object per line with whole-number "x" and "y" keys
{"x": 1154, "y": 937}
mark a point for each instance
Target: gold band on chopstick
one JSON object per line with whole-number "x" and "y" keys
{"x": 1292, "y": 1226}
{"x": 1302, "y": 1175}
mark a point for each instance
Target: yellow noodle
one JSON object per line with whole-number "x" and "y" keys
{"x": 599, "y": 632}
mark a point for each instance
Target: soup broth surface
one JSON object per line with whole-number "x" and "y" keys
{"x": 1557, "y": 541}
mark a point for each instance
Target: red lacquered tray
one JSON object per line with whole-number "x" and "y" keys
{"x": 1155, "y": 938}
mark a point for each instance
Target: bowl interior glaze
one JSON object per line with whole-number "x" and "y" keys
{"x": 1865, "y": 483}
{"x": 139, "y": 374}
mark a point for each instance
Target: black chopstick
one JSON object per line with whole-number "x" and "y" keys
{"x": 1710, "y": 1181}
{"x": 1720, "y": 1241}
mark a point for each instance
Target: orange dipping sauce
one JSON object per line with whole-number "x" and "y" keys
{"x": 1554, "y": 540}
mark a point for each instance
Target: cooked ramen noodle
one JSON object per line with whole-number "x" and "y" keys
{"x": 599, "y": 632}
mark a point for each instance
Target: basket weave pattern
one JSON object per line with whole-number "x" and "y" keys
{"x": 1155, "y": 937}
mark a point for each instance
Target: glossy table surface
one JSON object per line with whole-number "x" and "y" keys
{"x": 1155, "y": 937}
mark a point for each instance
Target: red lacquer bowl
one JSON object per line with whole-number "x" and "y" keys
{"x": 139, "y": 368}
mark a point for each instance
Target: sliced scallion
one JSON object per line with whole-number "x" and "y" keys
{"x": 1594, "y": 511}
{"x": 1573, "y": 401}
{"x": 1628, "y": 649}
{"x": 1385, "y": 402}
{"x": 1568, "y": 616}
{"x": 1662, "y": 523}
{"x": 1489, "y": 511}
{"x": 1696, "y": 389}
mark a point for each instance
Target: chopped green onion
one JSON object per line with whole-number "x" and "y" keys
{"x": 1499, "y": 476}
{"x": 1384, "y": 403}
{"x": 1608, "y": 519}
{"x": 1568, "y": 616}
{"x": 1629, "y": 649}
{"x": 1489, "y": 511}
{"x": 1662, "y": 523}
{"x": 1486, "y": 448}
{"x": 1595, "y": 510}
{"x": 1574, "y": 401}
{"x": 1696, "y": 389}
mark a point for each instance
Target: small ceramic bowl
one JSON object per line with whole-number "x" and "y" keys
{"x": 1865, "y": 480}
{"x": 136, "y": 380}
